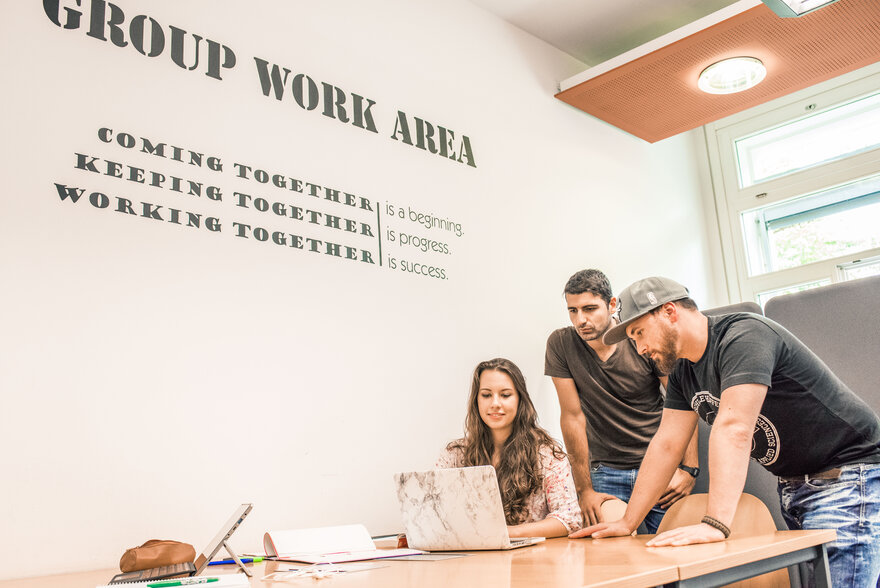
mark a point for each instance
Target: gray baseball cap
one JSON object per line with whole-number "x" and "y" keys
{"x": 640, "y": 298}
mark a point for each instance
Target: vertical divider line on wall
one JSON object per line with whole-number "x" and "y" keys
{"x": 379, "y": 230}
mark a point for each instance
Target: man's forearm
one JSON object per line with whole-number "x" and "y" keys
{"x": 729, "y": 448}
{"x": 658, "y": 466}
{"x": 730, "y": 444}
{"x": 574, "y": 434}
{"x": 692, "y": 453}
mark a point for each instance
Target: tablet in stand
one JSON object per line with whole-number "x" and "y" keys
{"x": 220, "y": 540}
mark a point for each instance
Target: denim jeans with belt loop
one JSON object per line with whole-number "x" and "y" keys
{"x": 850, "y": 504}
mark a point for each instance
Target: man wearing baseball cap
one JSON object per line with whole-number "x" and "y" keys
{"x": 767, "y": 396}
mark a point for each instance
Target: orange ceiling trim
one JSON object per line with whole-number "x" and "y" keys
{"x": 656, "y": 96}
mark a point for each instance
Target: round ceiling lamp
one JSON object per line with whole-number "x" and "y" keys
{"x": 732, "y": 75}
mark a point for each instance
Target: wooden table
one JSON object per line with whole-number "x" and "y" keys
{"x": 560, "y": 563}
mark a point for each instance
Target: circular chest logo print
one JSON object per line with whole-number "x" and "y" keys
{"x": 765, "y": 441}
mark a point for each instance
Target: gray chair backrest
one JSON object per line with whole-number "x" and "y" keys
{"x": 841, "y": 324}
{"x": 731, "y": 308}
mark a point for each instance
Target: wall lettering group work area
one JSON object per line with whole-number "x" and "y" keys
{"x": 302, "y": 214}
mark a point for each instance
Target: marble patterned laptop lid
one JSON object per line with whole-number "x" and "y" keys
{"x": 452, "y": 509}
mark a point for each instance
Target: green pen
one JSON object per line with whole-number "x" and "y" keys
{"x": 184, "y": 582}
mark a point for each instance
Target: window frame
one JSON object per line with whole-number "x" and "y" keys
{"x": 731, "y": 200}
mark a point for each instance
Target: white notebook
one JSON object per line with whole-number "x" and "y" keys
{"x": 338, "y": 544}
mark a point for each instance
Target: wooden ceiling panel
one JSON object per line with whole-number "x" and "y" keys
{"x": 656, "y": 96}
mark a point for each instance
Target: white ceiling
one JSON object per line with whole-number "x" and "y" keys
{"x": 594, "y": 31}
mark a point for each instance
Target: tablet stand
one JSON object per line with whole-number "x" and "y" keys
{"x": 228, "y": 549}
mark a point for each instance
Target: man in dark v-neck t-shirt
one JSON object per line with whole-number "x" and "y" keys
{"x": 611, "y": 402}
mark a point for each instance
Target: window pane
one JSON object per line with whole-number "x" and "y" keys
{"x": 830, "y": 223}
{"x": 862, "y": 268}
{"x": 763, "y": 297}
{"x": 826, "y": 136}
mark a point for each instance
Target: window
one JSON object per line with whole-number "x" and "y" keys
{"x": 814, "y": 227}
{"x": 797, "y": 188}
{"x": 826, "y": 136}
{"x": 860, "y": 268}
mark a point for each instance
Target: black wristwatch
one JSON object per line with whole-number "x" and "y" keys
{"x": 692, "y": 471}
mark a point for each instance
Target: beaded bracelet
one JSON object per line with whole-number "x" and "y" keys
{"x": 725, "y": 530}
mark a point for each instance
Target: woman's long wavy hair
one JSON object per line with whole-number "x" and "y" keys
{"x": 519, "y": 465}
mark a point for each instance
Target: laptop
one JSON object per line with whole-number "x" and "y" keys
{"x": 189, "y": 568}
{"x": 454, "y": 509}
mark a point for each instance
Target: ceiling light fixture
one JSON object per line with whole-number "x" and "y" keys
{"x": 732, "y": 75}
{"x": 790, "y": 8}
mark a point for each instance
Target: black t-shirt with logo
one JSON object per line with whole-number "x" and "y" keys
{"x": 810, "y": 420}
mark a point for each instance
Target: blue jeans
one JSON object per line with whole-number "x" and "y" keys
{"x": 851, "y": 505}
{"x": 620, "y": 483}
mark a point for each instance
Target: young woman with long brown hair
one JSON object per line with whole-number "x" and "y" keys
{"x": 534, "y": 476}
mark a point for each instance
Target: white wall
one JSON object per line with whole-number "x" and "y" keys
{"x": 153, "y": 376}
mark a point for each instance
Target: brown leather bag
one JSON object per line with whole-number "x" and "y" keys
{"x": 155, "y": 553}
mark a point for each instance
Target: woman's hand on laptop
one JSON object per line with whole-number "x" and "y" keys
{"x": 597, "y": 531}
